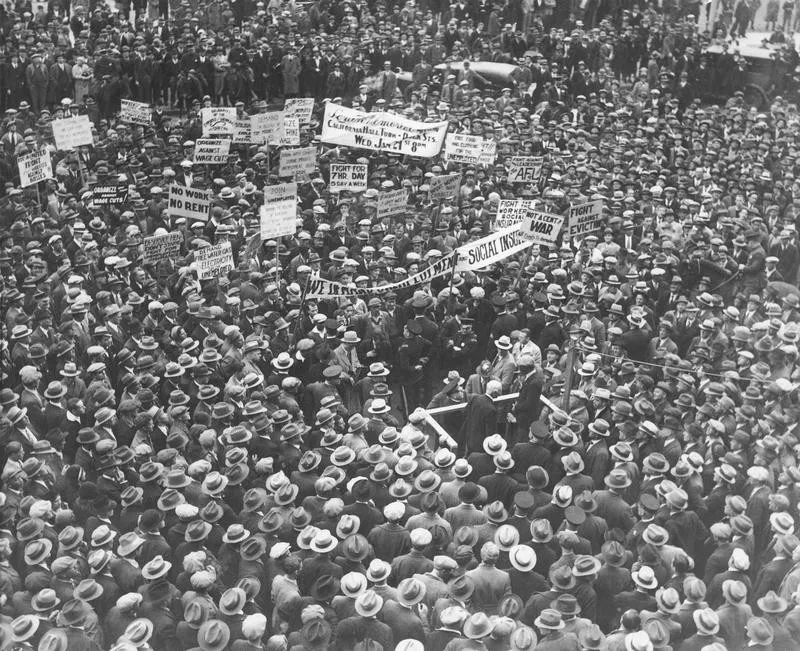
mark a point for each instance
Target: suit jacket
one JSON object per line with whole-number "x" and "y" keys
{"x": 527, "y": 407}
{"x": 404, "y": 622}
{"x": 614, "y": 510}
{"x": 500, "y": 486}
{"x": 480, "y": 422}
{"x": 491, "y": 585}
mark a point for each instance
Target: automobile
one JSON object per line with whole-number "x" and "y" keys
{"x": 498, "y": 75}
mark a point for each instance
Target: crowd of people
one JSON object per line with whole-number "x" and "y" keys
{"x": 590, "y": 445}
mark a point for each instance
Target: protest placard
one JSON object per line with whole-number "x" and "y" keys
{"x": 135, "y": 112}
{"x": 488, "y": 152}
{"x": 212, "y": 151}
{"x": 300, "y": 108}
{"x": 442, "y": 187}
{"x": 34, "y": 167}
{"x": 585, "y": 218}
{"x": 218, "y": 121}
{"x": 280, "y": 191}
{"x": 473, "y": 150}
{"x": 109, "y": 194}
{"x": 491, "y": 249}
{"x": 191, "y": 203}
{"x": 268, "y": 128}
{"x": 511, "y": 212}
{"x": 213, "y": 261}
{"x": 541, "y": 227}
{"x": 71, "y": 133}
{"x": 243, "y": 132}
{"x": 161, "y": 247}
{"x": 291, "y": 133}
{"x": 381, "y": 132}
{"x": 391, "y": 203}
{"x": 348, "y": 177}
{"x": 278, "y": 218}
{"x": 525, "y": 169}
{"x": 293, "y": 161}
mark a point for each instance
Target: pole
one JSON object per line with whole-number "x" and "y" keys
{"x": 570, "y": 372}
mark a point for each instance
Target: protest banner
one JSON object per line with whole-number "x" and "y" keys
{"x": 161, "y": 247}
{"x": 191, "y": 203}
{"x": 280, "y": 191}
{"x": 511, "y": 212}
{"x": 585, "y": 218}
{"x": 34, "y": 167}
{"x": 442, "y": 187}
{"x": 473, "y": 150}
{"x": 278, "y": 218}
{"x": 109, "y": 194}
{"x": 71, "y": 133}
{"x": 347, "y": 177}
{"x": 300, "y": 108}
{"x": 381, "y": 132}
{"x": 135, "y": 112}
{"x": 541, "y": 227}
{"x": 291, "y": 133}
{"x": 268, "y": 128}
{"x": 525, "y": 169}
{"x": 321, "y": 288}
{"x": 218, "y": 121}
{"x": 213, "y": 261}
{"x": 491, "y": 249}
{"x": 488, "y": 152}
{"x": 293, "y": 161}
{"x": 212, "y": 151}
{"x": 391, "y": 203}
{"x": 243, "y": 132}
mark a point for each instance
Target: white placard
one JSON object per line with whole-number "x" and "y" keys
{"x": 541, "y": 227}
{"x": 525, "y": 169}
{"x": 585, "y": 218}
{"x": 268, "y": 127}
{"x": 381, "y": 132}
{"x": 212, "y": 151}
{"x": 34, "y": 167}
{"x": 391, "y": 203}
{"x": 161, "y": 247}
{"x": 300, "y": 108}
{"x": 511, "y": 212}
{"x": 280, "y": 191}
{"x": 291, "y": 133}
{"x": 243, "y": 131}
{"x": 348, "y": 177}
{"x": 218, "y": 121}
{"x": 135, "y": 112}
{"x": 293, "y": 161}
{"x": 191, "y": 203}
{"x": 71, "y": 133}
{"x": 278, "y": 218}
{"x": 442, "y": 187}
{"x": 462, "y": 148}
{"x": 213, "y": 261}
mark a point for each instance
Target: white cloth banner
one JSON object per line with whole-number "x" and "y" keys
{"x": 382, "y": 132}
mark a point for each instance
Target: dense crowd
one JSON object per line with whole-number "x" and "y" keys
{"x": 590, "y": 445}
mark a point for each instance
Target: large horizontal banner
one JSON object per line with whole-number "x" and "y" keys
{"x": 585, "y": 218}
{"x": 491, "y": 249}
{"x": 321, "y": 288}
{"x": 34, "y": 167}
{"x": 382, "y": 132}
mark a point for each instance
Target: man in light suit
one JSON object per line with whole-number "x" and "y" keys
{"x": 503, "y": 366}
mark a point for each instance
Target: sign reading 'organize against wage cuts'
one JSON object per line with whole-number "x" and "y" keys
{"x": 211, "y": 151}
{"x": 525, "y": 169}
{"x": 293, "y": 161}
{"x": 391, "y": 203}
{"x": 135, "y": 112}
{"x": 444, "y": 186}
{"x": 278, "y": 218}
{"x": 585, "y": 218}
{"x": 213, "y": 261}
{"x": 161, "y": 247}
{"x": 34, "y": 167}
{"x": 348, "y": 177}
{"x": 190, "y": 203}
{"x": 109, "y": 195}
{"x": 71, "y": 133}
{"x": 381, "y": 132}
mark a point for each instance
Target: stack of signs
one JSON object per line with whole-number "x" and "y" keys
{"x": 541, "y": 227}
{"x": 585, "y": 218}
{"x": 135, "y": 112}
{"x": 34, "y": 167}
{"x": 442, "y": 187}
{"x": 391, "y": 203}
{"x": 213, "y": 261}
{"x": 191, "y": 203}
{"x": 71, "y": 133}
{"x": 109, "y": 195}
{"x": 511, "y": 212}
{"x": 293, "y": 161}
{"x": 300, "y": 108}
{"x": 218, "y": 121}
{"x": 278, "y": 218}
{"x": 208, "y": 151}
{"x": 525, "y": 169}
{"x": 348, "y": 177}
{"x": 162, "y": 247}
